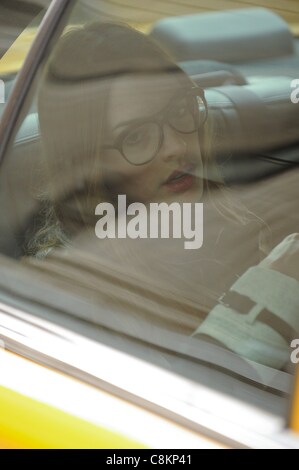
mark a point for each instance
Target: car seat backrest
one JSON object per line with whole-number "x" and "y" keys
{"x": 251, "y": 120}
{"x": 256, "y": 129}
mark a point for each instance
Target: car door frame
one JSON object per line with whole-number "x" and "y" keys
{"x": 50, "y": 26}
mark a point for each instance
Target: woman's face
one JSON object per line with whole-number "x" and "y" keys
{"x": 175, "y": 173}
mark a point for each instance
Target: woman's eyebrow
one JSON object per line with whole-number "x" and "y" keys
{"x": 144, "y": 119}
{"x": 131, "y": 122}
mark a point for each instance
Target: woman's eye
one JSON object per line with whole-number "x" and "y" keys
{"x": 181, "y": 111}
{"x": 135, "y": 137}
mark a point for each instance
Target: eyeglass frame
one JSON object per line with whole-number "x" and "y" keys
{"x": 195, "y": 91}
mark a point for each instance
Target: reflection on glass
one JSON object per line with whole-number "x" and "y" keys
{"x": 118, "y": 116}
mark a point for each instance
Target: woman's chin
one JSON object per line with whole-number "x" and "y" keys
{"x": 192, "y": 195}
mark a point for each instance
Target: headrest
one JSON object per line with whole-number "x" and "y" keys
{"x": 228, "y": 36}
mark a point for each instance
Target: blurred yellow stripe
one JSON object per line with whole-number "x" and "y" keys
{"x": 27, "y": 423}
{"x": 13, "y": 59}
{"x": 294, "y": 410}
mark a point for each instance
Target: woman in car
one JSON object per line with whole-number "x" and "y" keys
{"x": 129, "y": 120}
{"x": 118, "y": 116}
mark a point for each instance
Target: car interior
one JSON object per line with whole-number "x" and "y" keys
{"x": 245, "y": 60}
{"x": 246, "y": 74}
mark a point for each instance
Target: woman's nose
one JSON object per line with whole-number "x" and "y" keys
{"x": 174, "y": 145}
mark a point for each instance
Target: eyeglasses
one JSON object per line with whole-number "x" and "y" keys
{"x": 186, "y": 114}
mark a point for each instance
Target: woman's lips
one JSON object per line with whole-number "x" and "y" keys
{"x": 181, "y": 179}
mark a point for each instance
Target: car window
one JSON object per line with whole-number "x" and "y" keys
{"x": 149, "y": 190}
{"x": 19, "y": 24}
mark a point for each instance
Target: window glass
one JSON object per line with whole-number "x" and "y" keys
{"x": 19, "y": 21}
{"x": 150, "y": 196}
